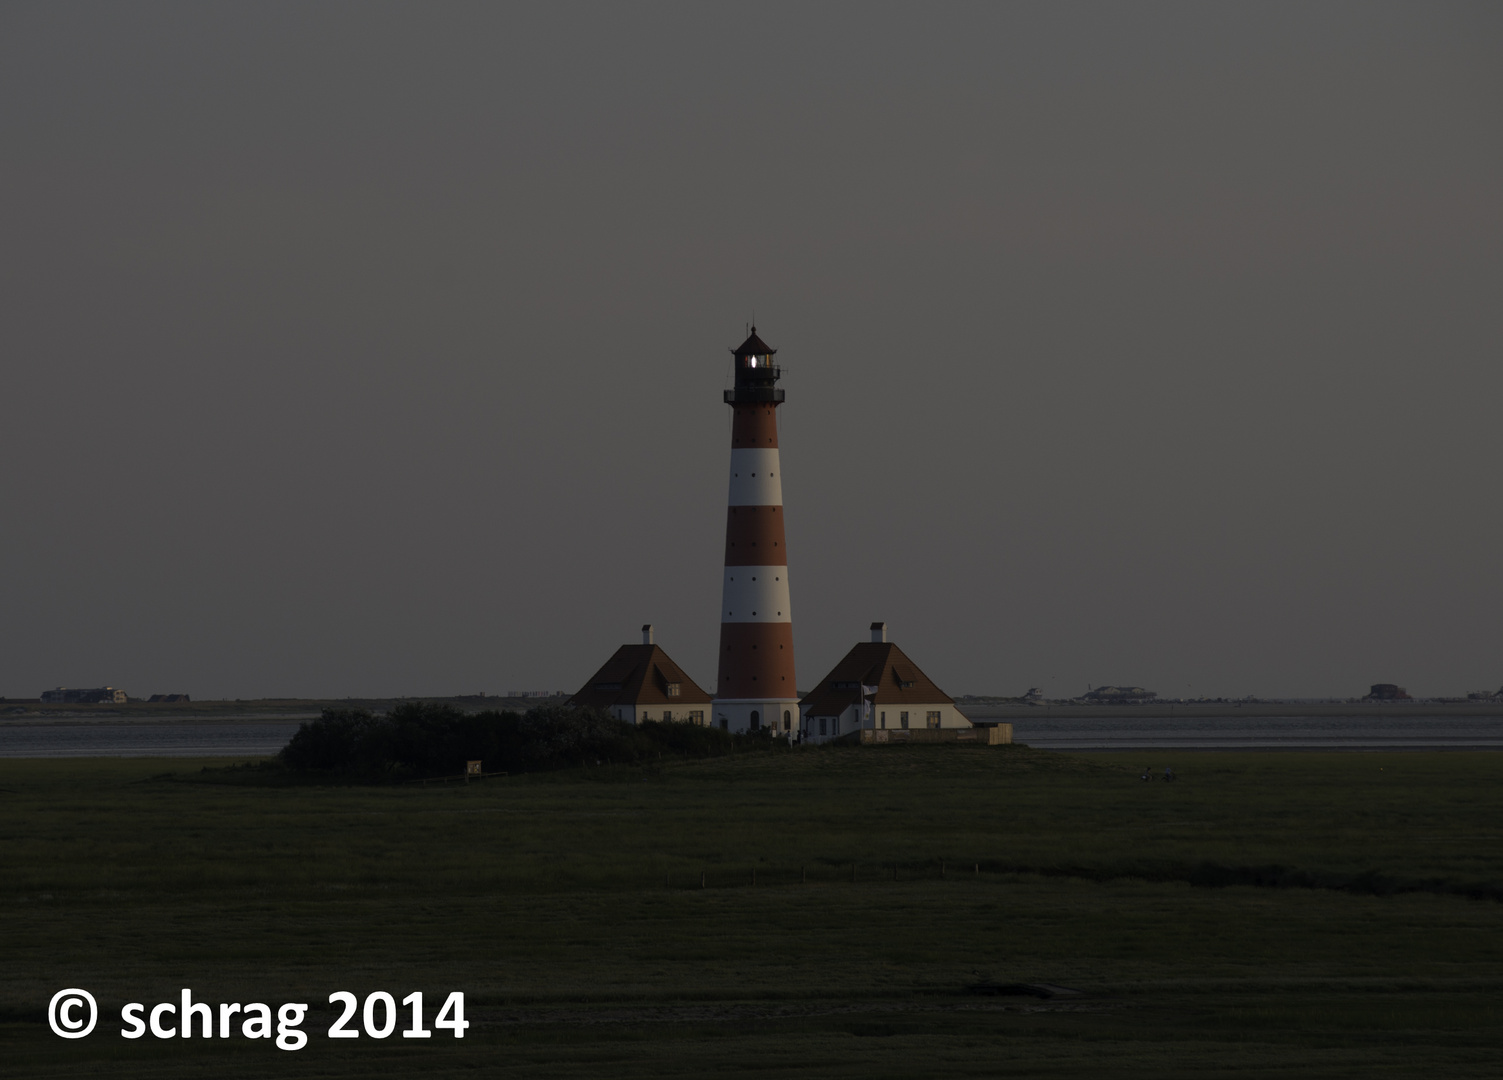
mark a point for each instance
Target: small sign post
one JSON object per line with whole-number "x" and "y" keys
{"x": 471, "y": 768}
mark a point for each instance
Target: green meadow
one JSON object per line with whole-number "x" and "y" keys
{"x": 921, "y": 911}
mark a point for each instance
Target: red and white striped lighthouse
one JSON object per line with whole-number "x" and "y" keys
{"x": 755, "y": 689}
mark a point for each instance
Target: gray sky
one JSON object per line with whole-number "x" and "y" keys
{"x": 367, "y": 349}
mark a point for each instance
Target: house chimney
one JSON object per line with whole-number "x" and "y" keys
{"x": 879, "y": 631}
{"x": 647, "y": 633}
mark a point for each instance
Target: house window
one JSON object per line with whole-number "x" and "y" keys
{"x": 673, "y": 689}
{"x": 822, "y": 723}
{"x": 644, "y": 714}
{"x": 756, "y": 720}
{"x": 667, "y": 715}
{"x": 884, "y": 719}
{"x": 932, "y": 719}
{"x": 697, "y": 716}
{"x": 725, "y": 725}
{"x": 903, "y": 720}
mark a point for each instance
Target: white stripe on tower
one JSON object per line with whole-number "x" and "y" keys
{"x": 756, "y": 594}
{"x": 754, "y": 478}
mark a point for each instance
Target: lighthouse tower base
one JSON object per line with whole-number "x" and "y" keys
{"x": 779, "y": 716}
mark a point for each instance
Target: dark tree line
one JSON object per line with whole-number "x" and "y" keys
{"x": 434, "y": 740}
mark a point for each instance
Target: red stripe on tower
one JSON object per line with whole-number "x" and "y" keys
{"x": 755, "y": 689}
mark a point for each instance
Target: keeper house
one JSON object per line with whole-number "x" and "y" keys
{"x": 896, "y": 695}
{"x": 641, "y": 682}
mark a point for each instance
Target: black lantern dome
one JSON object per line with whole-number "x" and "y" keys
{"x": 756, "y": 374}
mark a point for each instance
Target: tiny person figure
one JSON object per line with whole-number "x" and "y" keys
{"x": 1168, "y": 773}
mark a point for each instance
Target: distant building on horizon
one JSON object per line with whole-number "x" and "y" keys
{"x": 106, "y": 695}
{"x": 168, "y": 699}
{"x": 641, "y": 682}
{"x": 1387, "y": 691}
{"x": 897, "y": 695}
{"x": 1118, "y": 694}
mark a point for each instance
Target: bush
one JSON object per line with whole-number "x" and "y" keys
{"x": 436, "y": 740}
{"x": 336, "y": 740}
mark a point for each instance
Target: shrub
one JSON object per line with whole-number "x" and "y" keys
{"x": 435, "y": 740}
{"x": 336, "y": 740}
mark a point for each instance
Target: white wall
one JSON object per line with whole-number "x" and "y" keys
{"x": 949, "y": 716}
{"x": 679, "y": 713}
{"x": 755, "y": 594}
{"x": 737, "y": 713}
{"x": 756, "y": 478}
{"x": 850, "y": 720}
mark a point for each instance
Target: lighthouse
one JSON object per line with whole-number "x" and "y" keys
{"x": 755, "y": 688}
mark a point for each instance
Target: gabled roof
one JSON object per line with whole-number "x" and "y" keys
{"x": 754, "y": 346}
{"x": 898, "y": 680}
{"x": 639, "y": 675}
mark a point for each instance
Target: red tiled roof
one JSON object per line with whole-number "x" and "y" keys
{"x": 639, "y": 675}
{"x": 898, "y": 680}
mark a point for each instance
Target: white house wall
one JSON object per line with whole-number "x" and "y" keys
{"x": 678, "y": 713}
{"x": 949, "y": 717}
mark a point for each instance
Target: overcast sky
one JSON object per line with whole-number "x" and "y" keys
{"x": 365, "y": 349}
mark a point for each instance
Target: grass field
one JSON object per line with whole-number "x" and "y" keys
{"x": 1361, "y": 932}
